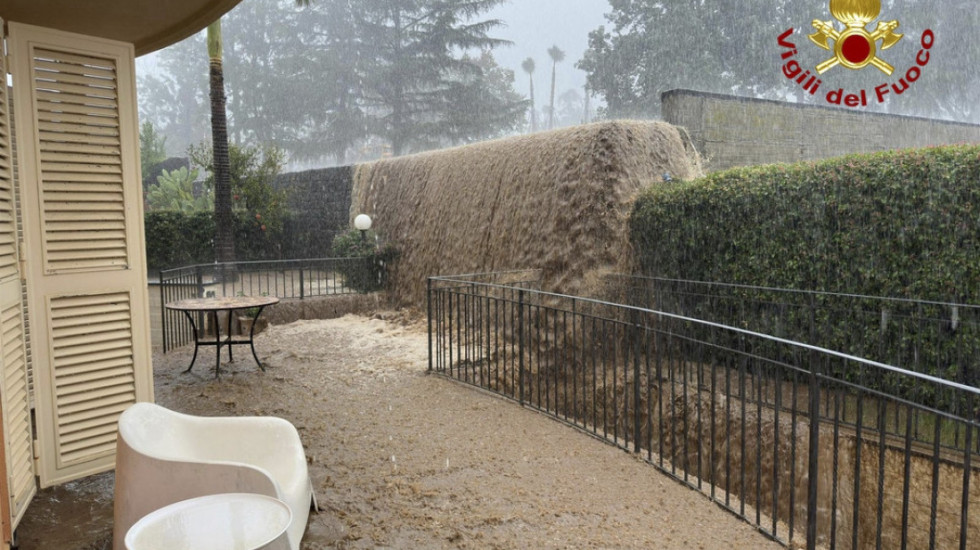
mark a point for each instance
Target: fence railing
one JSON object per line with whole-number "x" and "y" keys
{"x": 936, "y": 338}
{"x": 808, "y": 444}
{"x": 940, "y": 338}
{"x": 297, "y": 279}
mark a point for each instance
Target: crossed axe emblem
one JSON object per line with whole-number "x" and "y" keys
{"x": 854, "y": 47}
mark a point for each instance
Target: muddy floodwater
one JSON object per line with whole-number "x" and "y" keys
{"x": 403, "y": 459}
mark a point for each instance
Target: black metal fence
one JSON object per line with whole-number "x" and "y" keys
{"x": 809, "y": 444}
{"x": 296, "y": 279}
{"x": 940, "y": 338}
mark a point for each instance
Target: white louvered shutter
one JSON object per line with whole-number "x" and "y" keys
{"x": 83, "y": 227}
{"x": 14, "y": 392}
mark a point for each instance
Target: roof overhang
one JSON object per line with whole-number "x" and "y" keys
{"x": 147, "y": 24}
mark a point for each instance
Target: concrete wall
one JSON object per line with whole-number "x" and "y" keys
{"x": 734, "y": 131}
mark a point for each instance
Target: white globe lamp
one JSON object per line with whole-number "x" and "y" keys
{"x": 362, "y": 223}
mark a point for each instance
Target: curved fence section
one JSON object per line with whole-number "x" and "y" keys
{"x": 812, "y": 445}
{"x": 295, "y": 279}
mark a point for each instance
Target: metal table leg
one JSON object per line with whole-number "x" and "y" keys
{"x": 217, "y": 343}
{"x": 196, "y": 339}
{"x": 231, "y": 358}
{"x": 251, "y": 337}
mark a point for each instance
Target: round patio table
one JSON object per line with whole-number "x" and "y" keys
{"x": 213, "y": 306}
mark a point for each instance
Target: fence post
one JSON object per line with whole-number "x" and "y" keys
{"x": 200, "y": 281}
{"x": 428, "y": 309}
{"x": 635, "y": 322}
{"x": 302, "y": 286}
{"x": 813, "y": 460}
{"x": 163, "y": 313}
{"x": 520, "y": 344}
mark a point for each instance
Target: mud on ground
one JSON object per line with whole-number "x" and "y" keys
{"x": 403, "y": 459}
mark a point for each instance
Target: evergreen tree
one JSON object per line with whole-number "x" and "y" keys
{"x": 324, "y": 80}
{"x": 412, "y": 62}
{"x": 482, "y": 103}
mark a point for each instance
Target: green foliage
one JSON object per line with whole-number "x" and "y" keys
{"x": 174, "y": 191}
{"x": 153, "y": 149}
{"x": 901, "y": 224}
{"x": 175, "y": 239}
{"x": 253, "y": 170}
{"x": 897, "y": 224}
{"x": 367, "y": 268}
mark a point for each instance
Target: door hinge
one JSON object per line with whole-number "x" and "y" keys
{"x": 37, "y": 456}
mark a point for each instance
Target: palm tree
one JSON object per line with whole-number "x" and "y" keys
{"x": 588, "y": 97}
{"x": 528, "y": 66}
{"x": 224, "y": 235}
{"x": 224, "y": 232}
{"x": 557, "y": 56}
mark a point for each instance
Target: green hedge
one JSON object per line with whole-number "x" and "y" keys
{"x": 175, "y": 239}
{"x": 900, "y": 224}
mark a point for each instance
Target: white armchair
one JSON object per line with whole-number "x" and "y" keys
{"x": 163, "y": 457}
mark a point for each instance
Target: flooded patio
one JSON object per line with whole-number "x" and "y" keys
{"x": 403, "y": 459}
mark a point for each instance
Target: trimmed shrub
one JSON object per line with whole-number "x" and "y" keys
{"x": 366, "y": 269}
{"x": 175, "y": 239}
{"x": 898, "y": 224}
{"x": 902, "y": 224}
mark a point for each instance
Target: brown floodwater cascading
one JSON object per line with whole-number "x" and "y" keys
{"x": 556, "y": 201}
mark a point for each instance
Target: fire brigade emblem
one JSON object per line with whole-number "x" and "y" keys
{"x": 855, "y": 47}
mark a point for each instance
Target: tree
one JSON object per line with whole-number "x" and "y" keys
{"x": 482, "y": 102}
{"x": 528, "y": 66}
{"x": 224, "y": 231}
{"x": 153, "y": 149}
{"x": 329, "y": 79}
{"x": 252, "y": 171}
{"x": 557, "y": 56}
{"x": 568, "y": 111}
{"x": 412, "y": 56}
{"x": 175, "y": 96}
{"x": 724, "y": 46}
{"x": 588, "y": 108}
{"x": 651, "y": 46}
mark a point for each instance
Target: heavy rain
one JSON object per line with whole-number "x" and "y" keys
{"x": 737, "y": 240}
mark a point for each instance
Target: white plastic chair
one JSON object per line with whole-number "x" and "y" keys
{"x": 163, "y": 457}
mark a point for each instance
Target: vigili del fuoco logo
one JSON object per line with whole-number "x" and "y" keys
{"x": 854, "y": 48}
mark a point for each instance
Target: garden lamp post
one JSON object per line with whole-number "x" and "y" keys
{"x": 363, "y": 222}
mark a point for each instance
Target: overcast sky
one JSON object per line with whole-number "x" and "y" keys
{"x": 536, "y": 25}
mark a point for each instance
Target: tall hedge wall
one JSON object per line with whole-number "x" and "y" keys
{"x": 899, "y": 224}
{"x": 175, "y": 239}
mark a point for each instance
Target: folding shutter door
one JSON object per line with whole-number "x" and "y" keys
{"x": 17, "y": 432}
{"x": 83, "y": 223}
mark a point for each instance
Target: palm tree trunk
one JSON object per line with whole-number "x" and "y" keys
{"x": 224, "y": 231}
{"x": 534, "y": 114}
{"x": 588, "y": 97}
{"x": 551, "y": 109}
